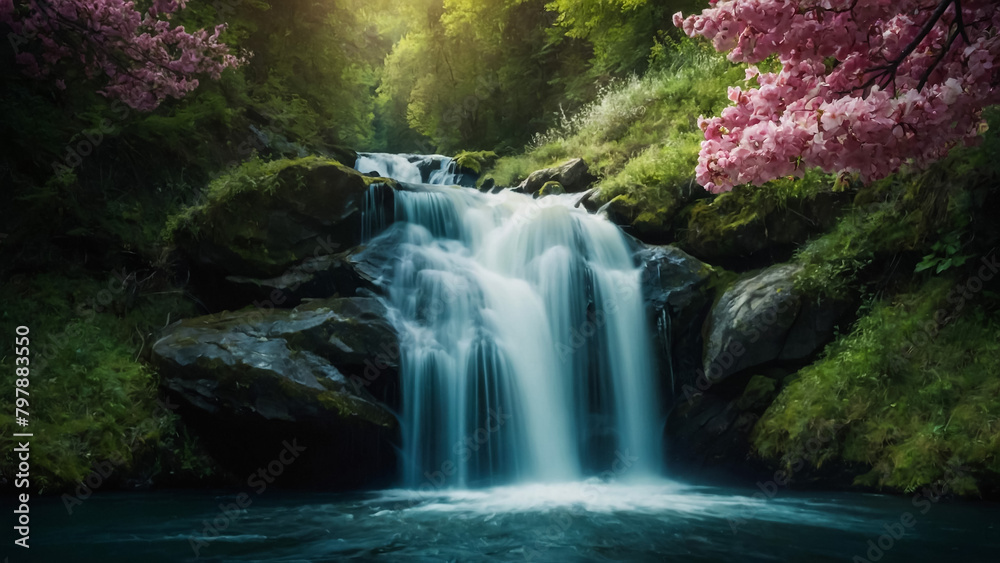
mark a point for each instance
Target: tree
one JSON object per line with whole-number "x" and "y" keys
{"x": 470, "y": 74}
{"x": 622, "y": 32}
{"x": 864, "y": 86}
{"x": 143, "y": 58}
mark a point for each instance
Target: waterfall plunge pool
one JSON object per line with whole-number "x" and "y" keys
{"x": 580, "y": 521}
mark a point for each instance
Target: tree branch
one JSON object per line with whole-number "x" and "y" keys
{"x": 886, "y": 74}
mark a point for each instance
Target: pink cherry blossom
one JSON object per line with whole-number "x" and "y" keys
{"x": 850, "y": 96}
{"x": 142, "y": 57}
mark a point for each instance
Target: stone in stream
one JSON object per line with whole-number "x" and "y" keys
{"x": 551, "y": 188}
{"x": 574, "y": 176}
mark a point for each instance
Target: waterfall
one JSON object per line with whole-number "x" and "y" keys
{"x": 414, "y": 168}
{"x": 524, "y": 352}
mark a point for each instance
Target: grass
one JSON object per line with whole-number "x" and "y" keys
{"x": 640, "y": 135}
{"x": 914, "y": 387}
{"x": 92, "y": 398}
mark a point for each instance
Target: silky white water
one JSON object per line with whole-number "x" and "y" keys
{"x": 525, "y": 355}
{"x": 410, "y": 168}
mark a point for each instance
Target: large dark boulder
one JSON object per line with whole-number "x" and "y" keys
{"x": 261, "y": 220}
{"x": 250, "y": 379}
{"x": 677, "y": 293}
{"x": 764, "y": 318}
{"x": 574, "y": 176}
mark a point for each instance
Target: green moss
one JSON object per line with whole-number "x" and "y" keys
{"x": 758, "y": 393}
{"x": 908, "y": 212}
{"x": 551, "y": 188}
{"x": 913, "y": 389}
{"x": 234, "y": 222}
{"x": 348, "y": 407}
{"x": 475, "y": 161}
{"x": 718, "y": 224}
{"x": 255, "y": 176}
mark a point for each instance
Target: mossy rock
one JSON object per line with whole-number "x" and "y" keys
{"x": 282, "y": 365}
{"x": 475, "y": 161}
{"x": 652, "y": 222}
{"x": 753, "y": 219}
{"x": 263, "y": 218}
{"x": 551, "y": 188}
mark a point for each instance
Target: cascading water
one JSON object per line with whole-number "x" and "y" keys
{"x": 414, "y": 168}
{"x": 523, "y": 334}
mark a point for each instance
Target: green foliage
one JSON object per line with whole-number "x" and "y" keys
{"x": 640, "y": 133}
{"x": 945, "y": 255}
{"x": 913, "y": 388}
{"x": 314, "y": 70}
{"x": 476, "y": 75}
{"x": 622, "y": 32}
{"x": 92, "y": 398}
{"x": 929, "y": 212}
{"x": 832, "y": 261}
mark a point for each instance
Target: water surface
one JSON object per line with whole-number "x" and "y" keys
{"x": 582, "y": 521}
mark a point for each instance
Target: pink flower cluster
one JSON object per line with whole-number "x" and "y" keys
{"x": 142, "y": 57}
{"x": 850, "y": 95}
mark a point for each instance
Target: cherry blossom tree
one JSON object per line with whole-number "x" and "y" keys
{"x": 141, "y": 57}
{"x": 864, "y": 86}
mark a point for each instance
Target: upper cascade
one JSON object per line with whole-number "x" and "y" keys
{"x": 415, "y": 168}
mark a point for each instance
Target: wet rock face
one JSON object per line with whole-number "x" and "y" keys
{"x": 301, "y": 365}
{"x": 750, "y": 323}
{"x": 247, "y": 378}
{"x": 677, "y": 296}
{"x": 340, "y": 275}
